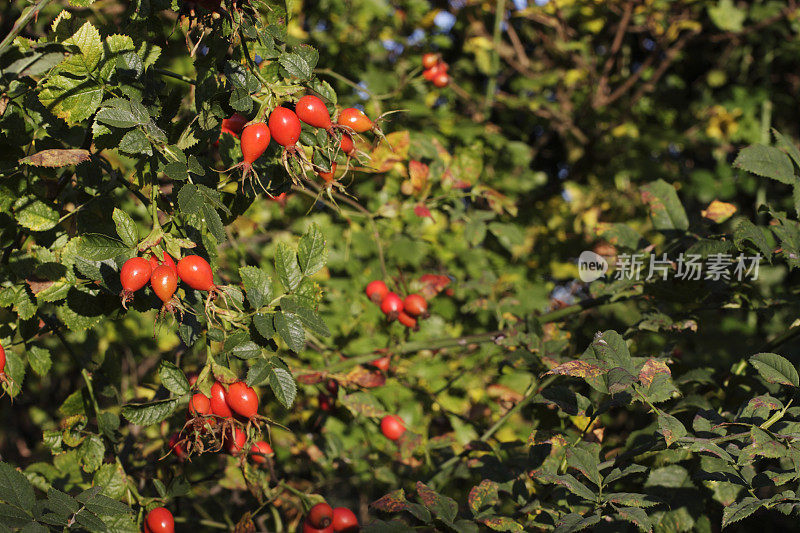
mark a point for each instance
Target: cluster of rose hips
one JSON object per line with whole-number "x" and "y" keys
{"x": 137, "y": 271}
{"x": 322, "y": 518}
{"x": 283, "y": 125}
{"x": 406, "y": 311}
{"x": 435, "y": 70}
{"x": 222, "y": 406}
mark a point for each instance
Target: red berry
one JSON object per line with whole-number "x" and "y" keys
{"x": 320, "y": 516}
{"x": 164, "y": 282}
{"x": 2, "y": 362}
{"x": 153, "y": 262}
{"x": 328, "y": 176}
{"x": 255, "y": 139}
{"x": 313, "y": 112}
{"x": 284, "y": 126}
{"x": 308, "y": 528}
{"x": 325, "y": 402}
{"x": 135, "y": 274}
{"x": 196, "y": 273}
{"x": 355, "y": 119}
{"x": 260, "y": 451}
{"x": 415, "y": 305}
{"x": 178, "y": 448}
{"x": 346, "y": 144}
{"x": 170, "y": 262}
{"x": 382, "y": 363}
{"x": 219, "y": 404}
{"x": 392, "y": 427}
{"x": 441, "y": 80}
{"x": 344, "y": 520}
{"x": 200, "y": 405}
{"x": 192, "y": 377}
{"x": 376, "y": 291}
{"x": 391, "y": 305}
{"x": 160, "y": 520}
{"x": 429, "y": 60}
{"x": 235, "y": 441}
{"x": 406, "y": 320}
{"x": 235, "y": 124}
{"x": 242, "y": 399}
{"x": 333, "y": 386}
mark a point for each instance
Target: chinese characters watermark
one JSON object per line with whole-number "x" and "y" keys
{"x": 695, "y": 267}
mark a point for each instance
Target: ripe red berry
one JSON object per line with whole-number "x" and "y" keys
{"x": 325, "y": 402}
{"x": 196, "y": 273}
{"x": 2, "y": 362}
{"x": 164, "y": 282}
{"x": 376, "y": 291}
{"x": 135, "y": 274}
{"x": 242, "y": 399}
{"x": 219, "y": 404}
{"x": 382, "y": 363}
{"x": 160, "y": 520}
{"x": 153, "y": 262}
{"x": 392, "y": 427}
{"x": 407, "y": 320}
{"x": 260, "y": 451}
{"x": 320, "y": 516}
{"x": 170, "y": 262}
{"x": 255, "y": 139}
{"x": 200, "y": 405}
{"x": 328, "y": 176}
{"x": 313, "y": 112}
{"x": 355, "y": 119}
{"x": 284, "y": 126}
{"x": 178, "y": 448}
{"x": 415, "y": 305}
{"x": 347, "y": 145}
{"x": 344, "y": 520}
{"x": 235, "y": 124}
{"x": 391, "y": 305}
{"x": 308, "y": 528}
{"x": 441, "y": 80}
{"x": 429, "y": 60}
{"x": 235, "y": 441}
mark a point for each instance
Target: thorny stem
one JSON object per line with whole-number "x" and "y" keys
{"x": 21, "y": 22}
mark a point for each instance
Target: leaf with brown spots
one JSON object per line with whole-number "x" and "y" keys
{"x": 56, "y": 158}
{"x": 393, "y": 502}
{"x": 442, "y": 506}
{"x": 577, "y": 368}
{"x": 311, "y": 379}
{"x": 363, "y": 377}
{"x": 502, "y": 523}
{"x": 483, "y": 495}
{"x": 650, "y": 369}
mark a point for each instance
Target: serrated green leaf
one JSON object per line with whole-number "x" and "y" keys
{"x": 258, "y": 373}
{"x": 149, "y": 413}
{"x": 135, "y": 142}
{"x": 85, "y": 61}
{"x": 766, "y": 161}
{"x": 666, "y": 209}
{"x": 295, "y": 65}
{"x": 39, "y": 359}
{"x": 775, "y": 369}
{"x": 283, "y": 385}
{"x": 34, "y": 214}
{"x": 257, "y": 286}
{"x": 172, "y": 378}
{"x": 61, "y": 503}
{"x": 290, "y": 328}
{"x": 15, "y": 489}
{"x": 126, "y": 227}
{"x": 670, "y": 427}
{"x": 311, "y": 251}
{"x": 286, "y": 267}
{"x": 740, "y": 510}
{"x": 71, "y": 99}
{"x": 97, "y": 247}
{"x": 91, "y": 452}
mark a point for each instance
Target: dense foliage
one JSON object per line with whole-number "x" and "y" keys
{"x": 514, "y": 395}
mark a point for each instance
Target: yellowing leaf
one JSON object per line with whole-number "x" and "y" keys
{"x": 718, "y": 211}
{"x": 87, "y": 39}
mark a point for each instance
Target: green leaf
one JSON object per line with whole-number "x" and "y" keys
{"x": 775, "y": 369}
{"x": 295, "y": 65}
{"x": 747, "y": 231}
{"x": 173, "y": 378}
{"x": 766, "y": 161}
{"x": 257, "y": 373}
{"x": 740, "y": 510}
{"x": 286, "y": 266}
{"x": 670, "y": 427}
{"x": 126, "y": 227}
{"x": 502, "y": 523}
{"x": 665, "y": 207}
{"x": 104, "y": 506}
{"x": 245, "y": 349}
{"x": 586, "y": 462}
{"x": 90, "y": 521}
{"x": 257, "y": 286}
{"x": 91, "y": 452}
{"x": 630, "y": 499}
{"x": 83, "y": 63}
{"x": 34, "y": 214}
{"x": 788, "y": 145}
{"x": 309, "y": 318}
{"x": 122, "y": 113}
{"x": 283, "y": 385}
{"x": 15, "y": 489}
{"x": 636, "y": 516}
{"x": 214, "y": 223}
{"x": 290, "y": 328}
{"x": 146, "y": 414}
{"x": 441, "y": 506}
{"x": 726, "y": 16}
{"x": 483, "y": 495}
{"x": 39, "y": 359}
{"x": 264, "y": 325}
{"x": 312, "y": 251}
{"x": 567, "y": 481}
{"x": 61, "y": 503}
{"x": 611, "y": 348}
{"x": 575, "y": 522}
{"x": 97, "y": 247}
{"x": 73, "y": 100}
{"x": 136, "y": 143}
{"x": 190, "y": 201}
